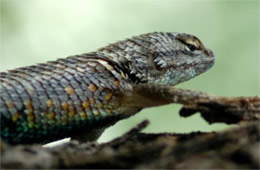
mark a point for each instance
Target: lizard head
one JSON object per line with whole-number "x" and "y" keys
{"x": 179, "y": 57}
{"x": 162, "y": 58}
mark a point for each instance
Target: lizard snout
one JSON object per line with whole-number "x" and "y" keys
{"x": 209, "y": 53}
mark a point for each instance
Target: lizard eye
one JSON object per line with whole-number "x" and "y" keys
{"x": 191, "y": 47}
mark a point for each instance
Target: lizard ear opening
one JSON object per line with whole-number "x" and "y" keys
{"x": 159, "y": 62}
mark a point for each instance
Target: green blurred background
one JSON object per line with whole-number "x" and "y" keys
{"x": 35, "y": 31}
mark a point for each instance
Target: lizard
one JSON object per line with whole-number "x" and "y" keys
{"x": 82, "y": 95}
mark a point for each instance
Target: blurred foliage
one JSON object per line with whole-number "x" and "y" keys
{"x": 34, "y": 31}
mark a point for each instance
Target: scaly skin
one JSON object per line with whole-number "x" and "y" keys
{"x": 81, "y": 95}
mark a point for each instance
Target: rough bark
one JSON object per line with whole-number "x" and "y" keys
{"x": 231, "y": 149}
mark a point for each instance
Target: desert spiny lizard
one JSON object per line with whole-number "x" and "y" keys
{"x": 81, "y": 95}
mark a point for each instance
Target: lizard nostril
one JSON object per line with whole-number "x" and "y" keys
{"x": 209, "y": 53}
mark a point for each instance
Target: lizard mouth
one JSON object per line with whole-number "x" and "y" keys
{"x": 209, "y": 61}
